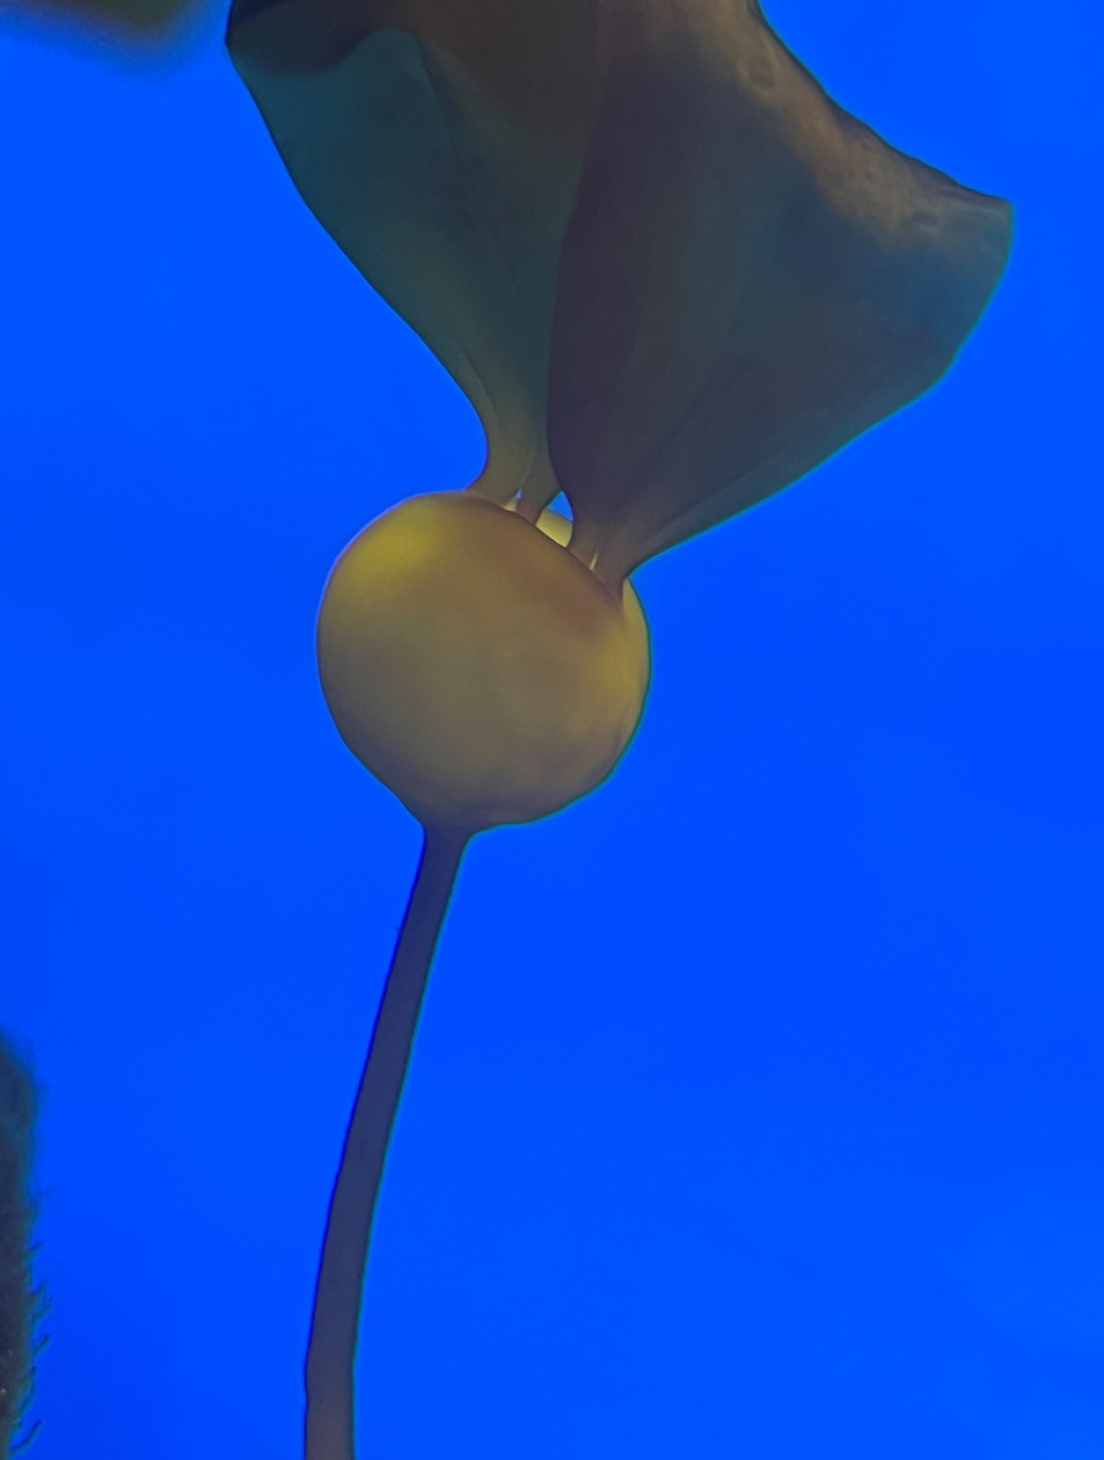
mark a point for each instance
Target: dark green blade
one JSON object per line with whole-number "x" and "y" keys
{"x": 446, "y": 181}
{"x": 751, "y": 278}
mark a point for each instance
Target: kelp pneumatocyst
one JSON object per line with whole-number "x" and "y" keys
{"x": 475, "y": 666}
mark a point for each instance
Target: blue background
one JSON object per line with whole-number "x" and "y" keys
{"x": 757, "y": 1110}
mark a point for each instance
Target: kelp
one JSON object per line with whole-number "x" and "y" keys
{"x": 670, "y": 273}
{"x": 751, "y": 278}
{"x": 18, "y": 1301}
{"x": 672, "y": 276}
{"x": 127, "y": 23}
{"x": 444, "y": 157}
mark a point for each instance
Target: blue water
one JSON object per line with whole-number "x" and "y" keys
{"x": 759, "y": 1106}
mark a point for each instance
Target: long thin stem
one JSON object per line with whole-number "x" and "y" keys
{"x": 331, "y": 1352}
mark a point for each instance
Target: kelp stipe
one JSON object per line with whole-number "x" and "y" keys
{"x": 331, "y": 1352}
{"x": 20, "y": 1304}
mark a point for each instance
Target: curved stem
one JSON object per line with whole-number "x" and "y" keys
{"x": 331, "y": 1351}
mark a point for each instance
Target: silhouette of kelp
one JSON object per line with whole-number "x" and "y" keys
{"x": 19, "y": 1303}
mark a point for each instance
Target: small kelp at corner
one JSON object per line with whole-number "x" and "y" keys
{"x": 19, "y": 1302}
{"x": 672, "y": 276}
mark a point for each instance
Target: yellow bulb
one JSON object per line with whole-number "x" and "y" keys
{"x": 478, "y": 669}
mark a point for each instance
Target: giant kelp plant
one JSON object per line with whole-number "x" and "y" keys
{"x": 672, "y": 276}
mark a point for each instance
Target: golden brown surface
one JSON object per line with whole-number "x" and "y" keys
{"x": 476, "y": 667}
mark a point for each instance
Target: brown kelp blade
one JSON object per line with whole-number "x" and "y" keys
{"x": 439, "y": 142}
{"x": 751, "y": 277}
